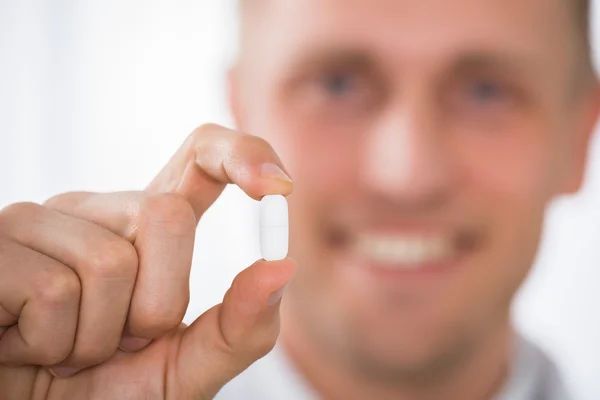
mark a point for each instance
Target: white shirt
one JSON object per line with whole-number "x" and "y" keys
{"x": 533, "y": 377}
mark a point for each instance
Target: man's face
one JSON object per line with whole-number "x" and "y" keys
{"x": 425, "y": 139}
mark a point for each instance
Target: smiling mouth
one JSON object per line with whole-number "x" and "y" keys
{"x": 407, "y": 250}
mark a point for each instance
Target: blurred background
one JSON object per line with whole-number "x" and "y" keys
{"x": 98, "y": 95}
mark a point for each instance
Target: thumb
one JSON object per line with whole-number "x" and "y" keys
{"x": 229, "y": 337}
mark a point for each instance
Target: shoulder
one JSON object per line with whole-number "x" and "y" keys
{"x": 534, "y": 375}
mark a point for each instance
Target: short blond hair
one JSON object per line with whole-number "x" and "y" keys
{"x": 581, "y": 12}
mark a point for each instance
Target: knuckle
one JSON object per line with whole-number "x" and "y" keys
{"x": 154, "y": 320}
{"x": 52, "y": 353}
{"x": 200, "y": 135}
{"x": 18, "y": 212}
{"x": 93, "y": 355}
{"x": 203, "y": 141}
{"x": 265, "y": 342}
{"x": 115, "y": 259}
{"x": 57, "y": 287}
{"x": 57, "y": 200}
{"x": 203, "y": 130}
{"x": 66, "y": 201}
{"x": 251, "y": 144}
{"x": 174, "y": 213}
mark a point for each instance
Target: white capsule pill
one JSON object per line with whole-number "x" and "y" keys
{"x": 273, "y": 227}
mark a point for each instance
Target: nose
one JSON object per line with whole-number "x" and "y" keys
{"x": 405, "y": 159}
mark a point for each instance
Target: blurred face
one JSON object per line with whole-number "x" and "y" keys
{"x": 425, "y": 140}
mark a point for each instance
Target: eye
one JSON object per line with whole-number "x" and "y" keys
{"x": 485, "y": 100}
{"x": 339, "y": 91}
{"x": 486, "y": 91}
{"x": 338, "y": 84}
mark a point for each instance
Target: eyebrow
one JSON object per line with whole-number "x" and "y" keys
{"x": 491, "y": 61}
{"x": 464, "y": 62}
{"x": 335, "y": 57}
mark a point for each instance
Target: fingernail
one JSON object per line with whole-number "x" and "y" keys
{"x": 273, "y": 171}
{"x": 276, "y": 296}
{"x": 132, "y": 344}
{"x": 63, "y": 372}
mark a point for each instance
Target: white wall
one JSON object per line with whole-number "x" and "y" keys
{"x": 97, "y": 96}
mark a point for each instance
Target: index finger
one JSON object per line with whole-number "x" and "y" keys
{"x": 214, "y": 156}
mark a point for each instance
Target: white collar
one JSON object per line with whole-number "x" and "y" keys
{"x": 532, "y": 377}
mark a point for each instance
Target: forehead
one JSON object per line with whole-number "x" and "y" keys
{"x": 419, "y": 30}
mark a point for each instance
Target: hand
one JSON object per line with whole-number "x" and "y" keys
{"x": 94, "y": 287}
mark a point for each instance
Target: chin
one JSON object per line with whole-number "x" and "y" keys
{"x": 389, "y": 352}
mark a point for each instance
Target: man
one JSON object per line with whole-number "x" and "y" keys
{"x": 425, "y": 139}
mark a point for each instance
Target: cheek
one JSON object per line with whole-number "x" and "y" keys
{"x": 507, "y": 179}
{"x": 512, "y": 170}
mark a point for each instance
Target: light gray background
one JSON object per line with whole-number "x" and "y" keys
{"x": 96, "y": 95}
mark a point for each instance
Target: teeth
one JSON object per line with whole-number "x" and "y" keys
{"x": 405, "y": 251}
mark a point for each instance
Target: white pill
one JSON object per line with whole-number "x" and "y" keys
{"x": 273, "y": 227}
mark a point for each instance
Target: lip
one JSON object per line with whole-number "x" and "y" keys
{"x": 412, "y": 274}
{"x": 410, "y": 277}
{"x": 410, "y": 284}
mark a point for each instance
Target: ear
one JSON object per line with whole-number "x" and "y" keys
{"x": 586, "y": 117}
{"x": 234, "y": 96}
